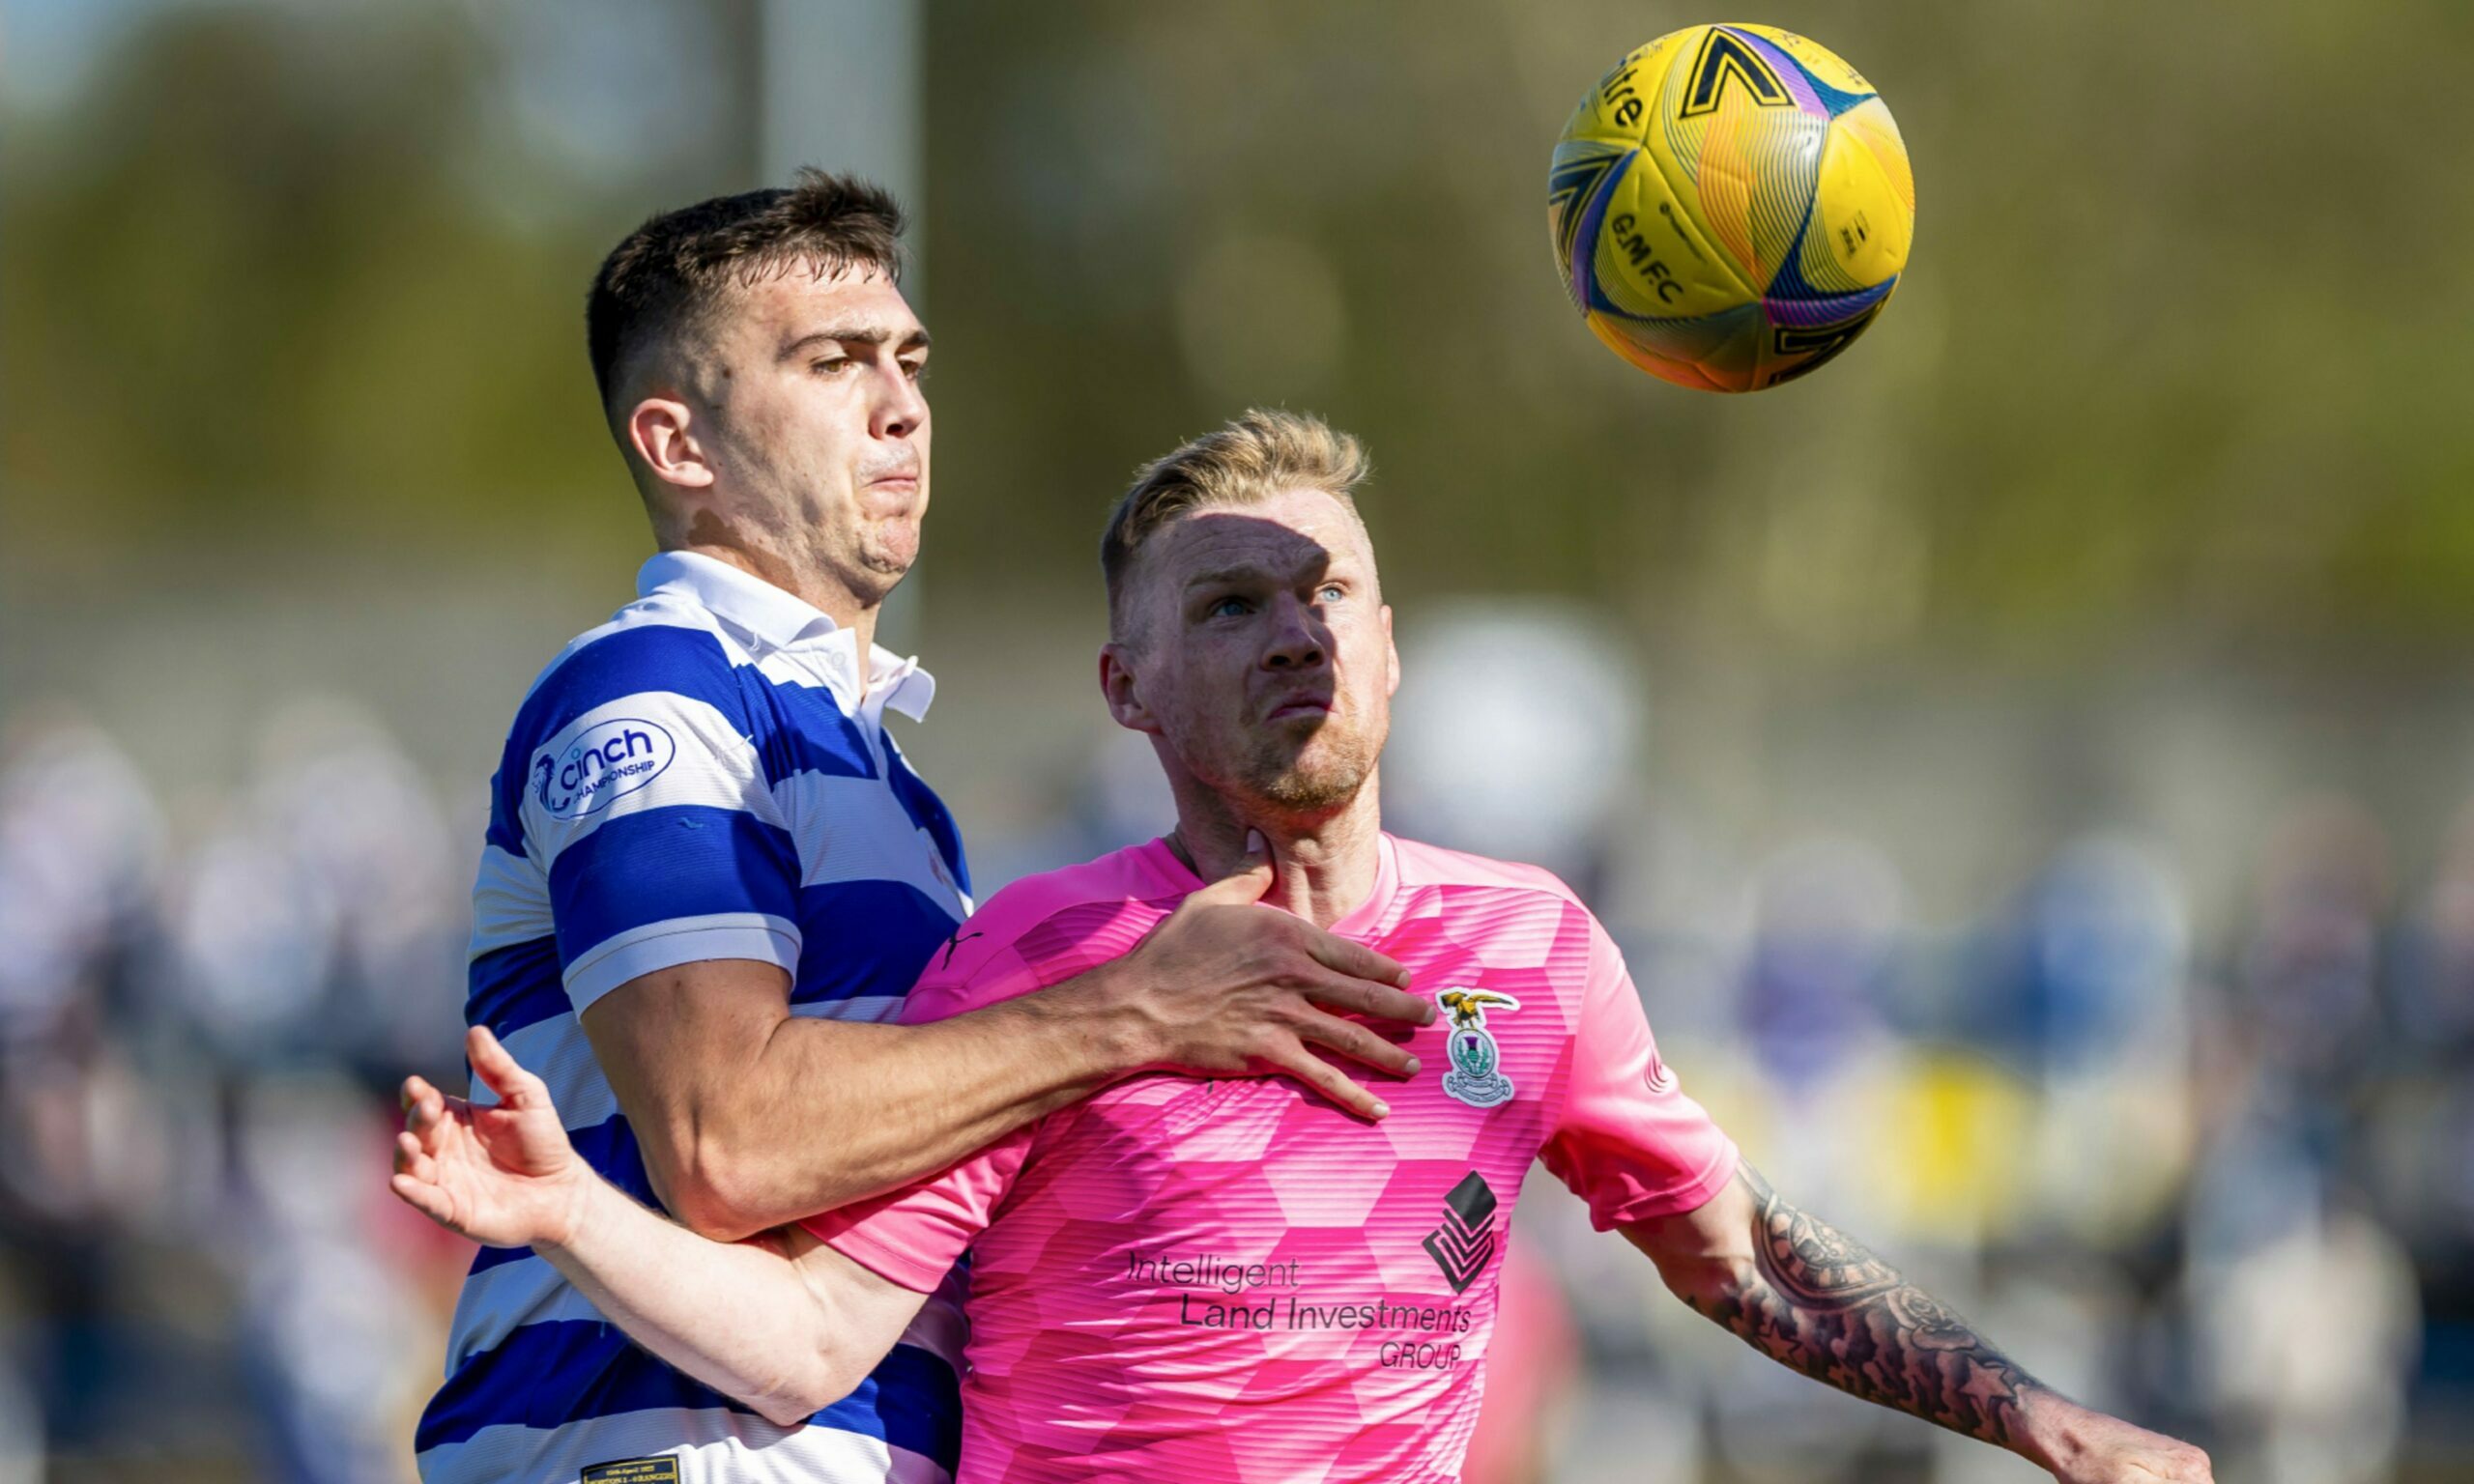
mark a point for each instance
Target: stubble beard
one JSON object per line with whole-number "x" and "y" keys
{"x": 888, "y": 548}
{"x": 1311, "y": 779}
{"x": 868, "y": 558}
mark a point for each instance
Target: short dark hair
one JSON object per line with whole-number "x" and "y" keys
{"x": 1243, "y": 461}
{"x": 680, "y": 263}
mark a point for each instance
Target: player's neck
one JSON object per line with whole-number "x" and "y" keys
{"x": 1324, "y": 866}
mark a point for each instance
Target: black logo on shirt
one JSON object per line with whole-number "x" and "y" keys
{"x": 958, "y": 939}
{"x": 1466, "y": 1242}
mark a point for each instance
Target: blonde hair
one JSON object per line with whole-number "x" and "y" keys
{"x": 1243, "y": 461}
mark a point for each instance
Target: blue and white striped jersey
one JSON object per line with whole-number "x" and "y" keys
{"x": 697, "y": 779}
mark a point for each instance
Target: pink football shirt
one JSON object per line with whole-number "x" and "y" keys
{"x": 1234, "y": 1281}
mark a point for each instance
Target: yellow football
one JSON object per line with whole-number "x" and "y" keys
{"x": 1731, "y": 207}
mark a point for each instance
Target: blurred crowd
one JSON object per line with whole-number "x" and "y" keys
{"x": 2225, "y": 1188}
{"x": 200, "y": 1030}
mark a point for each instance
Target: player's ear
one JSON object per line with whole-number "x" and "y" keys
{"x": 662, "y": 433}
{"x": 1390, "y": 654}
{"x": 1124, "y": 697}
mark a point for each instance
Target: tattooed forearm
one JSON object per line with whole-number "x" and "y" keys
{"x": 1819, "y": 1302}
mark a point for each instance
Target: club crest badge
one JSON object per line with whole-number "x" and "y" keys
{"x": 1475, "y": 1078}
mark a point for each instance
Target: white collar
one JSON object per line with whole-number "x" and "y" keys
{"x": 779, "y": 619}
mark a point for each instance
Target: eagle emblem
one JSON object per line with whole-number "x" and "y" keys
{"x": 1475, "y": 1078}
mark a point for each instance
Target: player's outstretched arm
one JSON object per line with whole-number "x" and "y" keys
{"x": 751, "y": 1118}
{"x": 784, "y": 1324}
{"x": 1809, "y": 1297}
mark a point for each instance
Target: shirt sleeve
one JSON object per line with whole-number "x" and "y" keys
{"x": 1629, "y": 1142}
{"x": 912, "y": 1237}
{"x": 646, "y": 806}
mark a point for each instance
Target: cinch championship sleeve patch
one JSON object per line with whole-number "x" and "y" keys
{"x": 663, "y": 844}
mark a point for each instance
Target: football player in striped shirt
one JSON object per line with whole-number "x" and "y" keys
{"x": 1222, "y": 1281}
{"x": 709, "y": 876}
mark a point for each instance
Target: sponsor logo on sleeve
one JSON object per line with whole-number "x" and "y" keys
{"x": 600, "y": 764}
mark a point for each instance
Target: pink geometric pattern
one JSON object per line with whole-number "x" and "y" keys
{"x": 1231, "y": 1281}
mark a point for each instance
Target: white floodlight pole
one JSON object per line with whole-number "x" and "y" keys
{"x": 843, "y": 89}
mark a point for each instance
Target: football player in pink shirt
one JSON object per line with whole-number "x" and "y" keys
{"x": 1233, "y": 1280}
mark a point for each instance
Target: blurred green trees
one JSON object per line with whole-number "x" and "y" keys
{"x": 2184, "y": 348}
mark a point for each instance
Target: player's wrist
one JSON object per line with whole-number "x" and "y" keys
{"x": 2052, "y": 1432}
{"x": 1126, "y": 1035}
{"x": 1114, "y": 1028}
{"x": 572, "y": 1208}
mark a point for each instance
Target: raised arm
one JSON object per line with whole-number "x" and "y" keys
{"x": 1811, "y": 1297}
{"x": 784, "y": 1324}
{"x": 750, "y": 1117}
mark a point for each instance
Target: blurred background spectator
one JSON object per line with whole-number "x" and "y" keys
{"x": 2023, "y": 764}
